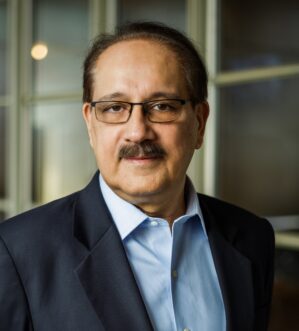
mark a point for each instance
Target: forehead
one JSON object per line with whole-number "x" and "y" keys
{"x": 144, "y": 49}
{"x": 139, "y": 66}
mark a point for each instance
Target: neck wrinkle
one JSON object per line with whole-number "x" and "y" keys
{"x": 170, "y": 210}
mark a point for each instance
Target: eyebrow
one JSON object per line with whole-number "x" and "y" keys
{"x": 155, "y": 95}
{"x": 164, "y": 95}
{"x": 112, "y": 96}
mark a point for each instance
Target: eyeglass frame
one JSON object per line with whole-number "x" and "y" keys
{"x": 183, "y": 102}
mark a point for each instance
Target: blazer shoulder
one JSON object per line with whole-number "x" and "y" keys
{"x": 40, "y": 218}
{"x": 228, "y": 215}
{"x": 251, "y": 235}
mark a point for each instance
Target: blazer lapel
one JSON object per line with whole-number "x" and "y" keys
{"x": 234, "y": 272}
{"x": 105, "y": 273}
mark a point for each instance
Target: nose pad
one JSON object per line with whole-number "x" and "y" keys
{"x": 137, "y": 127}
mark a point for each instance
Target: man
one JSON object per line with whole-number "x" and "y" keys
{"x": 137, "y": 249}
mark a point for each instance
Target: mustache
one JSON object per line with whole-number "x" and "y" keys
{"x": 145, "y": 148}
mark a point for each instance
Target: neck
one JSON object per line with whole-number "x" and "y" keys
{"x": 168, "y": 204}
{"x": 169, "y": 208}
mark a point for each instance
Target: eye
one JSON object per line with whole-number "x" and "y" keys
{"x": 116, "y": 107}
{"x": 164, "y": 106}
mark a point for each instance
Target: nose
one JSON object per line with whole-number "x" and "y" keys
{"x": 138, "y": 128}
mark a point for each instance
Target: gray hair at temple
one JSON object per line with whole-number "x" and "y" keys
{"x": 188, "y": 57}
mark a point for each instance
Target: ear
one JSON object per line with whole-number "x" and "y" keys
{"x": 87, "y": 115}
{"x": 202, "y": 111}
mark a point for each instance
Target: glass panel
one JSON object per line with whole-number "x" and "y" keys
{"x": 258, "y": 146}
{"x": 62, "y": 158}
{"x": 63, "y": 27}
{"x": 3, "y": 47}
{"x": 171, "y": 12}
{"x": 258, "y": 33}
{"x": 2, "y": 151}
{"x": 2, "y": 216}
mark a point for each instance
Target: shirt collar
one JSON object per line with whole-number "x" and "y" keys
{"x": 127, "y": 217}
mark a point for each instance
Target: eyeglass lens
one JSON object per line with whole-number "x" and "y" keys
{"x": 159, "y": 111}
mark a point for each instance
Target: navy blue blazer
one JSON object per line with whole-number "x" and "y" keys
{"x": 63, "y": 267}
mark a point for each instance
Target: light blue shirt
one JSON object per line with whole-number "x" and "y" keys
{"x": 174, "y": 269}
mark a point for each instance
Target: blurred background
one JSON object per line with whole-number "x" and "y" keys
{"x": 251, "y": 151}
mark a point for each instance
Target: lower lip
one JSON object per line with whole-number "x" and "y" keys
{"x": 141, "y": 161}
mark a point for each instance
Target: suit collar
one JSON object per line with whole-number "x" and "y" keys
{"x": 234, "y": 270}
{"x": 105, "y": 273}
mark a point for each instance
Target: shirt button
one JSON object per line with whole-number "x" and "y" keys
{"x": 186, "y": 329}
{"x": 175, "y": 275}
{"x": 154, "y": 223}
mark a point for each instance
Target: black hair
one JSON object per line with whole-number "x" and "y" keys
{"x": 188, "y": 57}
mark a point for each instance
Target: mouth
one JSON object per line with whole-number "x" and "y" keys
{"x": 142, "y": 158}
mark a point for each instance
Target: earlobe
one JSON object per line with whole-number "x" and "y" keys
{"x": 202, "y": 113}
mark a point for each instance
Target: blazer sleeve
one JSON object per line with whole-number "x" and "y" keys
{"x": 263, "y": 312}
{"x": 14, "y": 310}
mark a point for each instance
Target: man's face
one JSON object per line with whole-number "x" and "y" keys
{"x": 137, "y": 71}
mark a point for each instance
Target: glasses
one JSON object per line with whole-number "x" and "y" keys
{"x": 156, "y": 111}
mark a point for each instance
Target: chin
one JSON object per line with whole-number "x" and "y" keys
{"x": 144, "y": 191}
{"x": 141, "y": 192}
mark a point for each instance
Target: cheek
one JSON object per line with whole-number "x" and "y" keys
{"x": 104, "y": 145}
{"x": 180, "y": 142}
{"x": 189, "y": 134}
